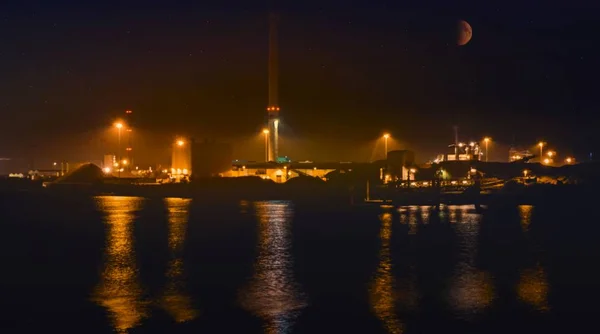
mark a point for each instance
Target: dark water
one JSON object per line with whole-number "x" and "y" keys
{"x": 126, "y": 264}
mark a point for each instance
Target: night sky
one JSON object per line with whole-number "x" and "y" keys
{"x": 347, "y": 74}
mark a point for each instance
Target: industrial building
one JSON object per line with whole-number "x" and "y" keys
{"x": 462, "y": 152}
{"x": 399, "y": 165}
{"x": 280, "y": 172}
{"x": 515, "y": 154}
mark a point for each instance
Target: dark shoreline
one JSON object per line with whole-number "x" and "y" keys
{"x": 318, "y": 193}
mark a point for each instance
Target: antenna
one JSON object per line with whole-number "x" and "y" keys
{"x": 273, "y": 60}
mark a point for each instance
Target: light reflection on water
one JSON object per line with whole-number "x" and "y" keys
{"x": 471, "y": 289}
{"x": 119, "y": 290}
{"x": 452, "y": 213}
{"x": 272, "y": 293}
{"x": 533, "y": 288}
{"x": 525, "y": 214}
{"x": 382, "y": 294}
{"x": 408, "y": 215}
{"x": 425, "y": 212}
{"x": 175, "y": 299}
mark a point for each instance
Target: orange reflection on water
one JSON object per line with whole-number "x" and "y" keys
{"x": 533, "y": 288}
{"x": 273, "y": 294}
{"x": 525, "y": 214}
{"x": 382, "y": 294}
{"x": 408, "y": 215}
{"x": 175, "y": 299}
{"x": 425, "y": 212}
{"x": 472, "y": 290}
{"x": 119, "y": 290}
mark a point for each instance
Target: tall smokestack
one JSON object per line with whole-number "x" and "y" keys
{"x": 273, "y": 107}
{"x": 273, "y": 60}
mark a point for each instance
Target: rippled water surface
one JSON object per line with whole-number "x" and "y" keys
{"x": 128, "y": 264}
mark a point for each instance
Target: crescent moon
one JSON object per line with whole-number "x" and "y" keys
{"x": 465, "y": 33}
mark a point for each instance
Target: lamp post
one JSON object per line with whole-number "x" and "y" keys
{"x": 119, "y": 126}
{"x": 385, "y": 138}
{"x": 486, "y": 140}
{"x": 266, "y": 133}
{"x": 541, "y": 145}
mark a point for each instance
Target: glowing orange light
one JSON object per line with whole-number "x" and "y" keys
{"x": 386, "y": 136}
{"x": 128, "y": 112}
{"x": 266, "y": 131}
{"x": 118, "y": 125}
{"x": 180, "y": 143}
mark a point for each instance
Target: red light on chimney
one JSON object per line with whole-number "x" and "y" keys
{"x": 128, "y": 112}
{"x": 128, "y": 149}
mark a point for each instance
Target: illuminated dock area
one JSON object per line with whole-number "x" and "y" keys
{"x": 282, "y": 172}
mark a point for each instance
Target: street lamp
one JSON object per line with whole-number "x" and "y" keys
{"x": 385, "y": 138}
{"x": 180, "y": 143}
{"x": 541, "y": 145}
{"x": 569, "y": 160}
{"x": 266, "y": 133}
{"x": 486, "y": 140}
{"x": 119, "y": 126}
